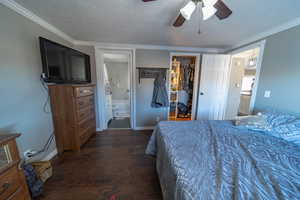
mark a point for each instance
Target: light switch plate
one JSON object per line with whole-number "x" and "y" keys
{"x": 267, "y": 94}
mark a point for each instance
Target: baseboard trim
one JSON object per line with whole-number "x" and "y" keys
{"x": 144, "y": 128}
{"x": 50, "y": 155}
{"x": 99, "y": 129}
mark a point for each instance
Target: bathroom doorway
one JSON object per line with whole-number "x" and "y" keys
{"x": 183, "y": 86}
{"x": 244, "y": 75}
{"x": 117, "y": 90}
{"x": 114, "y": 72}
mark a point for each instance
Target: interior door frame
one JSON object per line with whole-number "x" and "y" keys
{"x": 99, "y": 52}
{"x": 261, "y": 44}
{"x": 196, "y": 80}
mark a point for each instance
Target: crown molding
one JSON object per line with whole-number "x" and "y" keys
{"x": 283, "y": 27}
{"x": 38, "y": 20}
{"x": 33, "y": 17}
{"x": 146, "y": 46}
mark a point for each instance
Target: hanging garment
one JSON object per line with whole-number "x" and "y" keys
{"x": 183, "y": 97}
{"x": 160, "y": 95}
{"x": 181, "y": 78}
{"x": 187, "y": 77}
{"x": 186, "y": 80}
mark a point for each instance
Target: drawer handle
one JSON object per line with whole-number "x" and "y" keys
{"x": 4, "y": 187}
{"x": 81, "y": 103}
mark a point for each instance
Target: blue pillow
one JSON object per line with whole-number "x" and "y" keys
{"x": 289, "y": 131}
{"x": 276, "y": 119}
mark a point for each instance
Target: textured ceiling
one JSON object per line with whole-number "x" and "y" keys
{"x": 135, "y": 22}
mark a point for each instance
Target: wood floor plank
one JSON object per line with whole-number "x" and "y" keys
{"x": 111, "y": 166}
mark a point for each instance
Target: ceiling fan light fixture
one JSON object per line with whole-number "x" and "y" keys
{"x": 209, "y": 2}
{"x": 208, "y": 12}
{"x": 188, "y": 10}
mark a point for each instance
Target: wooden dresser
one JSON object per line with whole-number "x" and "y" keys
{"x": 73, "y": 111}
{"x": 12, "y": 180}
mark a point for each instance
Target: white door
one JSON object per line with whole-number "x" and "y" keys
{"x": 213, "y": 87}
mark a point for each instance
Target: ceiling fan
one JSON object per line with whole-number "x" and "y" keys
{"x": 209, "y": 8}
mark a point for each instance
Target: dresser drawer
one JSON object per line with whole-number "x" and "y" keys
{"x": 85, "y": 113}
{"x": 9, "y": 183}
{"x": 87, "y": 134}
{"x": 83, "y": 102}
{"x": 83, "y": 91}
{"x": 87, "y": 124}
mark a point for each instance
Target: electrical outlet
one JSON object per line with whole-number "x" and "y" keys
{"x": 29, "y": 154}
{"x": 267, "y": 94}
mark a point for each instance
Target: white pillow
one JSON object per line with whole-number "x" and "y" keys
{"x": 253, "y": 122}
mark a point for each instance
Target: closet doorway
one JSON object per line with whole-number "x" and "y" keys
{"x": 183, "y": 86}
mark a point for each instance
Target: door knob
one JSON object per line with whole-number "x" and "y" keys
{"x": 201, "y": 93}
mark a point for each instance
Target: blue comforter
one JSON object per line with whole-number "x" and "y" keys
{"x": 215, "y": 160}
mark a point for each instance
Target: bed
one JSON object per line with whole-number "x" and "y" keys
{"x": 216, "y": 160}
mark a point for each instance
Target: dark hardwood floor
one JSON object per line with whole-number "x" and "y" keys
{"x": 111, "y": 166}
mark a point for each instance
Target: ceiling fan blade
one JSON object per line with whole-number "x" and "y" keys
{"x": 223, "y": 10}
{"x": 148, "y": 0}
{"x": 179, "y": 21}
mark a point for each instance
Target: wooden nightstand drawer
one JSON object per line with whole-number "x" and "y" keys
{"x": 9, "y": 183}
{"x": 83, "y": 91}
{"x": 83, "y": 102}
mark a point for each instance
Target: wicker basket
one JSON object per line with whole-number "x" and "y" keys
{"x": 43, "y": 170}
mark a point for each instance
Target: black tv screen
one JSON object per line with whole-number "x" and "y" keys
{"x": 64, "y": 65}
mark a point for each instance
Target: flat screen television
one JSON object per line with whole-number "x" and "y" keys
{"x": 64, "y": 65}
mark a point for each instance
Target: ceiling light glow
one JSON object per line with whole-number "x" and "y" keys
{"x": 188, "y": 10}
{"x": 209, "y": 2}
{"x": 208, "y": 12}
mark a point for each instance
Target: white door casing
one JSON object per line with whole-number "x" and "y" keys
{"x": 261, "y": 45}
{"x": 214, "y": 84}
{"x": 101, "y": 104}
{"x": 237, "y": 70}
{"x": 196, "y": 80}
